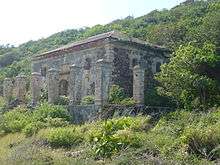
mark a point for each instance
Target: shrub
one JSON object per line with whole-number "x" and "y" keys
{"x": 2, "y": 102}
{"x": 128, "y": 102}
{"x": 63, "y": 137}
{"x": 116, "y": 94}
{"x": 44, "y": 95}
{"x": 3, "y": 105}
{"x": 87, "y": 100}
{"x": 15, "y": 120}
{"x": 54, "y": 111}
{"x": 136, "y": 124}
{"x": 127, "y": 138}
{"x": 56, "y": 122}
{"x": 116, "y": 134}
{"x": 108, "y": 144}
{"x": 205, "y": 142}
{"x": 30, "y": 122}
{"x": 62, "y": 100}
{"x": 152, "y": 98}
{"x": 185, "y": 136}
{"x": 174, "y": 123}
{"x": 32, "y": 128}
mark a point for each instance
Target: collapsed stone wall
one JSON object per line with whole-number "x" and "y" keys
{"x": 15, "y": 88}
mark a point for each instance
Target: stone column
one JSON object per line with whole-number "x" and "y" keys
{"x": 74, "y": 89}
{"x": 53, "y": 85}
{"x": 7, "y": 89}
{"x": 103, "y": 74}
{"x": 109, "y": 52}
{"x": 138, "y": 84}
{"x": 20, "y": 87}
{"x": 109, "y": 57}
{"x": 36, "y": 87}
{"x": 85, "y": 82}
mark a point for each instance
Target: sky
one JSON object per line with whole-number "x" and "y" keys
{"x": 24, "y": 20}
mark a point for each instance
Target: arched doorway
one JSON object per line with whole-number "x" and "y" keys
{"x": 63, "y": 88}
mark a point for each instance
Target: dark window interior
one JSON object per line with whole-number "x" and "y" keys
{"x": 87, "y": 65}
{"x": 63, "y": 88}
{"x": 44, "y": 71}
{"x": 158, "y": 64}
{"x": 134, "y": 62}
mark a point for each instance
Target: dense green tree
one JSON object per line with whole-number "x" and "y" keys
{"x": 184, "y": 80}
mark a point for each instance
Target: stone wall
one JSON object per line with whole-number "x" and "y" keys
{"x": 20, "y": 87}
{"x": 85, "y": 76}
{"x": 36, "y": 86}
{"x": 122, "y": 73}
{"x": 81, "y": 114}
{"x": 111, "y": 111}
{"x": 7, "y": 89}
{"x": 89, "y": 113}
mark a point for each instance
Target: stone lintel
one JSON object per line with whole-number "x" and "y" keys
{"x": 35, "y": 74}
{"x": 53, "y": 70}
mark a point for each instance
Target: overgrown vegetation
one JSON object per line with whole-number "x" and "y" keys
{"x": 117, "y": 96}
{"x": 189, "y": 79}
{"x": 180, "y": 137}
{"x": 23, "y": 120}
{"x": 88, "y": 100}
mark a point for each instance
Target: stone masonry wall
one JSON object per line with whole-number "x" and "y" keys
{"x": 85, "y": 78}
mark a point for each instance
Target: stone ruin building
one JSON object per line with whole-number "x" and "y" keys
{"x": 91, "y": 67}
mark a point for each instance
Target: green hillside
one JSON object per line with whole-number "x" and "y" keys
{"x": 196, "y": 22}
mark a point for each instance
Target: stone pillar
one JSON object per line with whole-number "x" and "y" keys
{"x": 53, "y": 85}
{"x": 109, "y": 52}
{"x": 74, "y": 89}
{"x": 36, "y": 87}
{"x": 20, "y": 87}
{"x": 109, "y": 57}
{"x": 103, "y": 75}
{"x": 7, "y": 89}
{"x": 138, "y": 84}
{"x": 85, "y": 82}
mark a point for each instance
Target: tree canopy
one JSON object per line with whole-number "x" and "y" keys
{"x": 185, "y": 80}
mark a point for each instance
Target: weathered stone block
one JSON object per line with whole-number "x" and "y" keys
{"x": 53, "y": 85}
{"x": 74, "y": 84}
{"x": 20, "y": 87}
{"x": 138, "y": 84}
{"x": 7, "y": 89}
{"x": 36, "y": 85}
{"x": 103, "y": 72}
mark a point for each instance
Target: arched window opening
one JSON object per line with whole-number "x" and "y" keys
{"x": 43, "y": 71}
{"x": 63, "y": 88}
{"x": 158, "y": 64}
{"x": 87, "y": 65}
{"x": 134, "y": 62}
